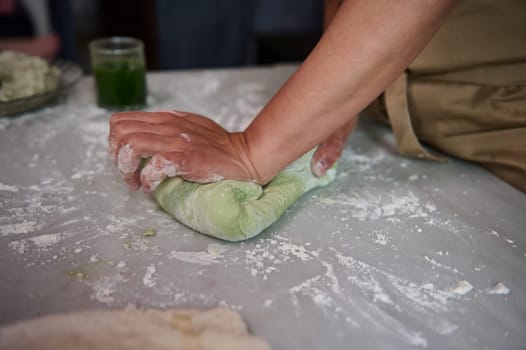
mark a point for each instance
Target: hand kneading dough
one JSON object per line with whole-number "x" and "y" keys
{"x": 236, "y": 210}
{"x": 217, "y": 329}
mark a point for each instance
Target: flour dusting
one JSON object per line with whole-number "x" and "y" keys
{"x": 386, "y": 250}
{"x": 104, "y": 289}
{"x": 212, "y": 255}
{"x": 499, "y": 288}
{"x": 462, "y": 288}
{"x": 149, "y": 279}
{"x": 18, "y": 228}
{"x": 8, "y": 188}
{"x": 371, "y": 207}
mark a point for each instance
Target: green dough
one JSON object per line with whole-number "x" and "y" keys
{"x": 236, "y": 210}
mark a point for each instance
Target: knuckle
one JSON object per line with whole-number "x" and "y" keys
{"x": 117, "y": 127}
{"x": 116, "y": 117}
{"x": 163, "y": 157}
{"x": 171, "y": 128}
{"x": 131, "y": 139}
{"x": 155, "y": 159}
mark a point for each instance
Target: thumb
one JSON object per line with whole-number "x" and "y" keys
{"x": 330, "y": 150}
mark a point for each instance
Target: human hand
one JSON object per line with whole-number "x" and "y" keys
{"x": 179, "y": 144}
{"x": 330, "y": 150}
{"x": 46, "y": 46}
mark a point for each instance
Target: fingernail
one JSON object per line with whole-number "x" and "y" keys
{"x": 127, "y": 162}
{"x": 320, "y": 168}
{"x": 133, "y": 182}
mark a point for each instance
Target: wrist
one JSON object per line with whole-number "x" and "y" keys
{"x": 241, "y": 149}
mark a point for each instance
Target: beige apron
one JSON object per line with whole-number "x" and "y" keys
{"x": 465, "y": 94}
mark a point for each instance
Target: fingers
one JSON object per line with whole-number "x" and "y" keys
{"x": 148, "y": 117}
{"x": 160, "y": 123}
{"x": 127, "y": 160}
{"x": 141, "y": 134}
{"x": 125, "y": 129}
{"x": 179, "y": 144}
{"x": 125, "y": 123}
{"x": 128, "y": 163}
{"x": 133, "y": 181}
{"x": 157, "y": 169}
{"x": 137, "y": 146}
{"x": 326, "y": 155}
{"x": 192, "y": 166}
{"x": 330, "y": 150}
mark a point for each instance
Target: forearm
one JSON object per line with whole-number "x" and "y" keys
{"x": 366, "y": 46}
{"x": 330, "y": 7}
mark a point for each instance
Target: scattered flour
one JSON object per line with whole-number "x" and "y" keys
{"x": 494, "y": 233}
{"x": 149, "y": 279}
{"x": 344, "y": 287}
{"x": 446, "y": 327}
{"x": 212, "y": 255}
{"x": 44, "y": 241}
{"x": 380, "y": 239}
{"x": 371, "y": 207}
{"x": 440, "y": 265}
{"x": 18, "y": 228}
{"x": 19, "y": 246}
{"x": 104, "y": 289}
{"x": 9, "y": 188}
{"x": 499, "y": 288}
{"x": 186, "y": 137}
{"x": 382, "y": 297}
{"x": 298, "y": 251}
{"x": 263, "y": 260}
{"x": 462, "y": 288}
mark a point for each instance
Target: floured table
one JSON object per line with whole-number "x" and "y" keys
{"x": 396, "y": 253}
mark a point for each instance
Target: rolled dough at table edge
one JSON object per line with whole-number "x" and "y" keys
{"x": 213, "y": 329}
{"x": 236, "y": 210}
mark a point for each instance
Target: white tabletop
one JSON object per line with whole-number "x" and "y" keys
{"x": 395, "y": 254}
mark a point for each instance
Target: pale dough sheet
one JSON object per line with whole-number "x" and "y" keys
{"x": 218, "y": 329}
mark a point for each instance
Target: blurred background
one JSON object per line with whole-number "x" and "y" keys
{"x": 178, "y": 34}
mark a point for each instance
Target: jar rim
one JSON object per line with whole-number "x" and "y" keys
{"x": 116, "y": 45}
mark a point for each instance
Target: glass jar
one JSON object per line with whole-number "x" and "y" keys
{"x": 120, "y": 76}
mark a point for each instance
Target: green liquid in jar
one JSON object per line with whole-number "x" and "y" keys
{"x": 120, "y": 84}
